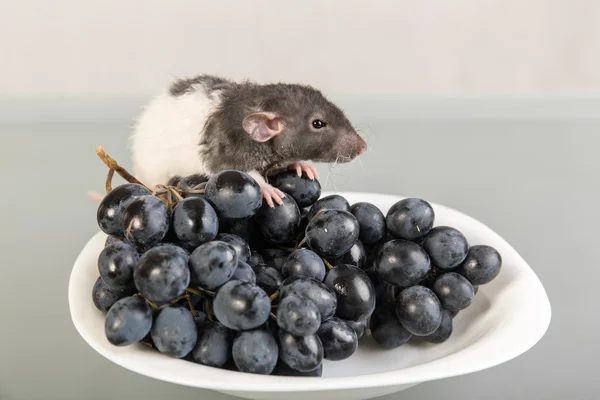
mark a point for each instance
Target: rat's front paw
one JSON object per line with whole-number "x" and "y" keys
{"x": 300, "y": 167}
{"x": 271, "y": 194}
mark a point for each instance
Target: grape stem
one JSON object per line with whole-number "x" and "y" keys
{"x": 201, "y": 292}
{"x": 192, "y": 310}
{"x": 207, "y": 305}
{"x": 109, "y": 177}
{"x": 274, "y": 296}
{"x": 273, "y": 316}
{"x": 112, "y": 164}
{"x": 272, "y": 167}
{"x": 301, "y": 243}
{"x": 151, "y": 303}
{"x": 327, "y": 264}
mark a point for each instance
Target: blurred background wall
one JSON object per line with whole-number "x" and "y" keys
{"x": 131, "y": 47}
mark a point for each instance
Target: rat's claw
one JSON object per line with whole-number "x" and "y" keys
{"x": 270, "y": 193}
{"x": 300, "y": 167}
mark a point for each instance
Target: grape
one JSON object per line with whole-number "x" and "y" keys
{"x": 371, "y": 222}
{"x": 357, "y": 256}
{"x": 241, "y": 247}
{"x": 454, "y": 291}
{"x": 303, "y": 190}
{"x": 384, "y": 292}
{"x": 212, "y": 264}
{"x": 332, "y": 233}
{"x": 128, "y": 321}
{"x": 482, "y": 265}
{"x": 279, "y": 224}
{"x": 162, "y": 273}
{"x": 331, "y": 202}
{"x": 213, "y": 347}
{"x": 116, "y": 264}
{"x": 255, "y": 259}
{"x": 313, "y": 290}
{"x": 233, "y": 194}
{"x": 246, "y": 229}
{"x": 241, "y": 305}
{"x": 191, "y": 182}
{"x": 110, "y": 211}
{"x": 200, "y": 319}
{"x": 111, "y": 240}
{"x": 410, "y": 219}
{"x": 304, "y": 262}
{"x": 359, "y": 327}
{"x": 104, "y": 297}
{"x": 244, "y": 273}
{"x": 444, "y": 331}
{"x": 446, "y": 246}
{"x": 302, "y": 353}
{"x": 255, "y": 352}
{"x": 339, "y": 340}
{"x": 195, "y": 221}
{"x": 146, "y": 221}
{"x": 275, "y": 258}
{"x": 282, "y": 369}
{"x": 174, "y": 331}
{"x": 268, "y": 278}
{"x": 419, "y": 310}
{"x": 355, "y": 292}
{"x": 431, "y": 276}
{"x": 298, "y": 316}
{"x": 386, "y": 329}
{"x": 402, "y": 263}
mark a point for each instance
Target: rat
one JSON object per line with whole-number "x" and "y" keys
{"x": 206, "y": 124}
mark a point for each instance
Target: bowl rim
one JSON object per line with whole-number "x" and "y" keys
{"x": 537, "y": 315}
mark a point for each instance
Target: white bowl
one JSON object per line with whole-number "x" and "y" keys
{"x": 509, "y": 316}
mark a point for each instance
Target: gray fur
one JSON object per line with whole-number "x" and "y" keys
{"x": 227, "y": 146}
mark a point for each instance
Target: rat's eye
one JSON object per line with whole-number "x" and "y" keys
{"x": 318, "y": 124}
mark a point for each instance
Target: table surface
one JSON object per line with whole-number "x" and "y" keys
{"x": 532, "y": 180}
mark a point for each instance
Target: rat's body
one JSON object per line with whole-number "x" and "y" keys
{"x": 207, "y": 124}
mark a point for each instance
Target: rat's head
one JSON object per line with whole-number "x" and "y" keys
{"x": 301, "y": 124}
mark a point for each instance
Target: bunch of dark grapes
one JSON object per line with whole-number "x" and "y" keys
{"x": 204, "y": 271}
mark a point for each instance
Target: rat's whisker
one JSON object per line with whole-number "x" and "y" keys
{"x": 361, "y": 163}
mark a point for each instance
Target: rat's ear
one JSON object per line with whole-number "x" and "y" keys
{"x": 262, "y": 126}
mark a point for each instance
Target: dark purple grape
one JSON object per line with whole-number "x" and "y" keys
{"x": 279, "y": 224}
{"x": 313, "y": 290}
{"x": 431, "y": 276}
{"x": 111, "y": 240}
{"x": 116, "y": 264}
{"x": 268, "y": 278}
{"x": 241, "y": 247}
{"x": 302, "y": 353}
{"x": 446, "y": 247}
{"x": 110, "y": 211}
{"x": 332, "y": 233}
{"x": 146, "y": 221}
{"x": 104, "y": 297}
{"x": 386, "y": 329}
{"x": 354, "y": 290}
{"x": 255, "y": 259}
{"x": 304, "y": 262}
{"x": 255, "y": 352}
{"x": 275, "y": 258}
{"x": 444, "y": 331}
{"x": 162, "y": 273}
{"x": 195, "y": 221}
{"x": 213, "y": 347}
{"x": 454, "y": 291}
{"x": 200, "y": 320}
{"x": 339, "y": 340}
{"x": 402, "y": 263}
{"x": 359, "y": 327}
{"x": 357, "y": 256}
{"x": 419, "y": 310}
{"x": 303, "y": 190}
{"x": 482, "y": 265}
{"x": 174, "y": 331}
{"x": 331, "y": 202}
{"x": 241, "y": 305}
{"x": 410, "y": 219}
{"x": 298, "y": 315}
{"x": 384, "y": 292}
{"x": 244, "y": 273}
{"x": 128, "y": 321}
{"x": 212, "y": 264}
{"x": 245, "y": 228}
{"x": 371, "y": 222}
{"x": 191, "y": 182}
{"x": 282, "y": 369}
{"x": 233, "y": 194}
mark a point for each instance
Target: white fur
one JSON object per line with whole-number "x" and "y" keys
{"x": 167, "y": 135}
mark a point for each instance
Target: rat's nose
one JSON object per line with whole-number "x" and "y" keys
{"x": 362, "y": 148}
